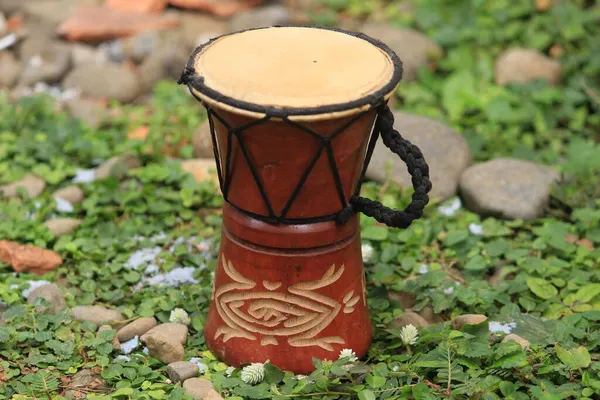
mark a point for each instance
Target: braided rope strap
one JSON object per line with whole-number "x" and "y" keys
{"x": 417, "y": 168}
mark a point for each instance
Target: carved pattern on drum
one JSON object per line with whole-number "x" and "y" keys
{"x": 299, "y": 314}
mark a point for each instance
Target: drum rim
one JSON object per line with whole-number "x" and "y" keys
{"x": 196, "y": 83}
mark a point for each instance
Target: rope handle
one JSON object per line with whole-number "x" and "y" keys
{"x": 417, "y": 168}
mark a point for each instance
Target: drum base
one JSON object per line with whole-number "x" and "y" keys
{"x": 287, "y": 305}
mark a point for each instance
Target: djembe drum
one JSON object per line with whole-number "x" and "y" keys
{"x": 294, "y": 114}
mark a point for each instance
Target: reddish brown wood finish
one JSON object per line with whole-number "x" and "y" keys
{"x": 288, "y": 305}
{"x": 281, "y": 153}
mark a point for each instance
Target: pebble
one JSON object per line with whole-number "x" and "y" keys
{"x": 181, "y": 370}
{"x": 446, "y": 151}
{"x": 409, "y": 318}
{"x": 172, "y": 330}
{"x": 11, "y": 69}
{"x": 28, "y": 258}
{"x": 96, "y": 314}
{"x": 406, "y": 299}
{"x": 86, "y": 54}
{"x": 276, "y": 14}
{"x": 164, "y": 348}
{"x": 33, "y": 185}
{"x": 141, "y": 6}
{"x": 52, "y": 294}
{"x": 62, "y": 226}
{"x": 81, "y": 382}
{"x": 467, "y": 319}
{"x": 202, "y": 169}
{"x": 48, "y": 64}
{"x": 508, "y": 188}
{"x": 202, "y": 141}
{"x": 109, "y": 81}
{"x": 198, "y": 28}
{"x": 219, "y": 8}
{"x": 135, "y": 48}
{"x": 165, "y": 62}
{"x": 117, "y": 166}
{"x": 73, "y": 194}
{"x": 136, "y": 328}
{"x": 512, "y": 337}
{"x": 430, "y": 316}
{"x": 524, "y": 65}
{"x": 414, "y": 48}
{"x": 201, "y": 389}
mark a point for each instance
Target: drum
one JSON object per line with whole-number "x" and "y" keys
{"x": 295, "y": 113}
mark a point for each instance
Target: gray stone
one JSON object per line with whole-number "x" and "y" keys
{"x": 275, "y": 14}
{"x": 166, "y": 62}
{"x": 201, "y": 389}
{"x": 508, "y": 188}
{"x": 181, "y": 370}
{"x": 10, "y": 70}
{"x": 53, "y": 12}
{"x": 446, "y": 152}
{"x": 136, "y": 328}
{"x": 198, "y": 28}
{"x": 430, "y": 316}
{"x": 33, "y": 185}
{"x": 468, "y": 319}
{"x": 164, "y": 348}
{"x": 524, "y": 65}
{"x": 135, "y": 48}
{"x": 409, "y": 318}
{"x": 85, "y": 54}
{"x": 62, "y": 226}
{"x": 108, "y": 81}
{"x": 202, "y": 141}
{"x": 45, "y": 61}
{"x": 96, "y": 314}
{"x": 512, "y": 337}
{"x": 73, "y": 194}
{"x": 81, "y": 384}
{"x": 3, "y": 24}
{"x": 86, "y": 110}
{"x": 177, "y": 332}
{"x": 414, "y": 48}
{"x": 117, "y": 166}
{"x": 52, "y": 294}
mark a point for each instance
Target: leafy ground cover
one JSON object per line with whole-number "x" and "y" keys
{"x": 539, "y": 280}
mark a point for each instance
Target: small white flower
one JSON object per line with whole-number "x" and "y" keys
{"x": 348, "y": 353}
{"x": 450, "y": 209}
{"x": 145, "y": 350}
{"x": 63, "y": 205}
{"x": 84, "y": 175}
{"x": 449, "y": 290}
{"x": 229, "y": 371}
{"x": 121, "y": 358}
{"x": 409, "y": 334}
{"x": 423, "y": 269}
{"x": 396, "y": 368}
{"x": 496, "y": 327}
{"x": 201, "y": 366}
{"x": 476, "y": 229}
{"x": 367, "y": 252}
{"x": 300, "y": 377}
{"x": 128, "y": 346}
{"x": 179, "y": 316}
{"x": 253, "y": 373}
{"x": 168, "y": 381}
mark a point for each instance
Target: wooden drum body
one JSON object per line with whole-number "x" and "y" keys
{"x": 292, "y": 112}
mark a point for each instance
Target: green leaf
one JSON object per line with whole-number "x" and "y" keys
{"x": 375, "y": 232}
{"x": 366, "y": 394}
{"x": 575, "y": 358}
{"x": 375, "y": 381}
{"x": 584, "y": 295}
{"x": 273, "y": 374}
{"x": 541, "y": 288}
{"x": 422, "y": 392}
{"x": 123, "y": 392}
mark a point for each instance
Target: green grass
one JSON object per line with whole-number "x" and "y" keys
{"x": 545, "y": 273}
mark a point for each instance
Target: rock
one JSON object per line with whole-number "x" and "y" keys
{"x": 86, "y": 54}
{"x": 174, "y": 331}
{"x": 430, "y": 316}
{"x": 406, "y": 300}
{"x": 73, "y": 194}
{"x": 104, "y": 328}
{"x": 11, "y": 6}
{"x": 96, "y": 314}
{"x": 83, "y": 382}
{"x": 201, "y": 389}
{"x": 413, "y": 48}
{"x": 202, "y": 169}
{"x": 198, "y": 28}
{"x": 446, "y": 152}
{"x": 202, "y": 141}
{"x": 524, "y": 65}
{"x": 181, "y": 370}
{"x": 53, "y": 12}
{"x": 512, "y": 337}
{"x": 3, "y": 24}
{"x": 52, "y": 294}
{"x": 140, "y": 6}
{"x": 27, "y": 258}
{"x": 117, "y": 166}
{"x": 467, "y": 319}
{"x": 275, "y": 14}
{"x": 508, "y": 188}
{"x": 164, "y": 348}
{"x": 136, "y": 328}
{"x": 11, "y": 70}
{"x": 104, "y": 82}
{"x": 165, "y": 62}
{"x": 135, "y": 48}
{"x": 409, "y": 318}
{"x": 32, "y": 184}
{"x": 89, "y": 110}
{"x": 96, "y": 24}
{"x": 45, "y": 61}
{"x": 62, "y": 226}
{"x": 220, "y": 8}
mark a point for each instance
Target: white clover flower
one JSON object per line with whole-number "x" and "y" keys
{"x": 450, "y": 209}
{"x": 367, "y": 252}
{"x": 229, "y": 371}
{"x": 423, "y": 269}
{"x": 476, "y": 229}
{"x": 179, "y": 316}
{"x": 253, "y": 373}
{"x": 409, "y": 334}
{"x": 348, "y": 353}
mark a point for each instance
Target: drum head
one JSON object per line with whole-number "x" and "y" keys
{"x": 287, "y": 71}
